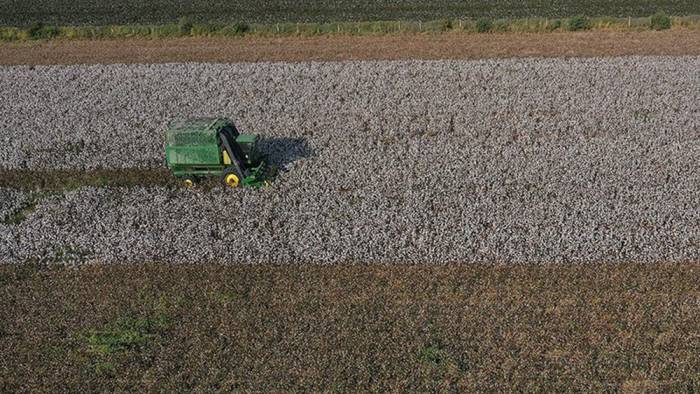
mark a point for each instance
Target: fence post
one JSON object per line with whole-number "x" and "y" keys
{"x": 420, "y": 26}
{"x": 629, "y": 21}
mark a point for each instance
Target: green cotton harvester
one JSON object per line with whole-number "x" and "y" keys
{"x": 212, "y": 147}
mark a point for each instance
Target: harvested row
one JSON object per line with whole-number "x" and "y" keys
{"x": 518, "y": 161}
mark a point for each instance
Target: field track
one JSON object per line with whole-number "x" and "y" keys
{"x": 334, "y": 48}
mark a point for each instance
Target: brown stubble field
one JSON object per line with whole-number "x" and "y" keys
{"x": 338, "y": 48}
{"x": 350, "y": 327}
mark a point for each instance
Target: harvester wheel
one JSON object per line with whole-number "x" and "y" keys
{"x": 231, "y": 177}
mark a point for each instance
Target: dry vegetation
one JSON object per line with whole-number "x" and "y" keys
{"x": 384, "y": 47}
{"x": 345, "y": 328}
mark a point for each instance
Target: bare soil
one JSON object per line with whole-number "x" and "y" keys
{"x": 330, "y": 48}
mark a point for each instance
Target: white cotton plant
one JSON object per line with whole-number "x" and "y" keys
{"x": 517, "y": 161}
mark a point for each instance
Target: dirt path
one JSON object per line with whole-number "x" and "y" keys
{"x": 386, "y": 47}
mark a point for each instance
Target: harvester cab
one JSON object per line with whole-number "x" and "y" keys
{"x": 206, "y": 147}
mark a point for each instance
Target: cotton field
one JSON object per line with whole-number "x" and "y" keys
{"x": 519, "y": 161}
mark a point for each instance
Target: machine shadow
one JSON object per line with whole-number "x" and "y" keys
{"x": 280, "y": 152}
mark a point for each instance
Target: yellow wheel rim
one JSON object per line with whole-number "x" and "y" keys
{"x": 232, "y": 180}
{"x": 188, "y": 183}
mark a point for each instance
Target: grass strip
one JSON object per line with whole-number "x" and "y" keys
{"x": 187, "y": 28}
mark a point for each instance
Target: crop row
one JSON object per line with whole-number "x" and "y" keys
{"x": 501, "y": 160}
{"x": 86, "y": 117}
{"x": 77, "y": 12}
{"x": 595, "y": 218}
